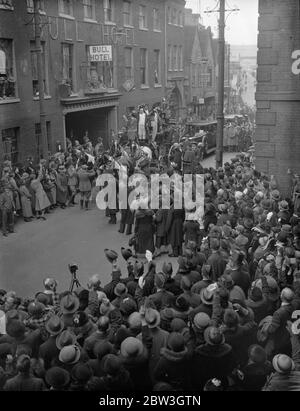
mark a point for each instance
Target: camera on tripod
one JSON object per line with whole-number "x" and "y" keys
{"x": 73, "y": 269}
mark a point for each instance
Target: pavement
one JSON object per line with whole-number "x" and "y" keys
{"x": 42, "y": 249}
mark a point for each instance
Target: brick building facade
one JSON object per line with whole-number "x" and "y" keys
{"x": 83, "y": 95}
{"x": 278, "y": 91}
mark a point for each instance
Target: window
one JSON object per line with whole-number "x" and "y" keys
{"x": 66, "y": 7}
{"x": 108, "y": 11}
{"x": 34, "y": 69}
{"x": 174, "y": 18}
{"x": 210, "y": 77}
{"x": 67, "y": 64}
{"x": 127, "y": 13}
{"x": 143, "y": 67}
{"x": 157, "y": 71}
{"x": 170, "y": 66}
{"x": 179, "y": 18}
{"x": 128, "y": 53}
{"x": 30, "y": 6}
{"x": 156, "y": 20}
{"x": 6, "y": 4}
{"x": 100, "y": 75}
{"x": 143, "y": 17}
{"x": 169, "y": 15}
{"x": 7, "y": 70}
{"x": 175, "y": 58}
{"x": 180, "y": 58}
{"x": 89, "y": 10}
{"x": 10, "y": 138}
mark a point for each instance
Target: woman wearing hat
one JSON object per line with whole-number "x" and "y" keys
{"x": 41, "y": 200}
{"x": 25, "y": 198}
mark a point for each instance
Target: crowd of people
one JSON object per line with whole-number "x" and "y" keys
{"x": 225, "y": 320}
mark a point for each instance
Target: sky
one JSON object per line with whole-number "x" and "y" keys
{"x": 241, "y": 26}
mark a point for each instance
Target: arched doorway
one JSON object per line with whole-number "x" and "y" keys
{"x": 175, "y": 102}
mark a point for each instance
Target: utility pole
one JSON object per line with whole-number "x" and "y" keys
{"x": 38, "y": 45}
{"x": 221, "y": 79}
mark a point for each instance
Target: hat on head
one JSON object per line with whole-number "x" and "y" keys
{"x": 257, "y": 354}
{"x": 182, "y": 303}
{"x": 111, "y": 364}
{"x": 82, "y": 372}
{"x": 206, "y": 295}
{"x": 57, "y": 377}
{"x": 213, "y": 336}
{"x": 283, "y": 205}
{"x": 65, "y": 338}
{"x": 126, "y": 253}
{"x": 36, "y": 309}
{"x": 69, "y": 304}
{"x": 266, "y": 204}
{"x": 283, "y": 364}
{"x": 5, "y": 349}
{"x": 175, "y": 342}
{"x": 177, "y": 324}
{"x": 69, "y": 354}
{"x": 43, "y": 298}
{"x": 275, "y": 195}
{"x": 256, "y": 294}
{"x": 230, "y": 318}
{"x": 152, "y": 318}
{"x": 167, "y": 268}
{"x": 54, "y": 325}
{"x": 132, "y": 347}
{"x": 120, "y": 289}
{"x": 135, "y": 320}
{"x": 15, "y": 329}
{"x": 128, "y": 306}
{"x": 111, "y": 255}
{"x": 102, "y": 348}
{"x": 287, "y": 228}
{"x": 201, "y": 321}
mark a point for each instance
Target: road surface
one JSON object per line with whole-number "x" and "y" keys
{"x": 42, "y": 249}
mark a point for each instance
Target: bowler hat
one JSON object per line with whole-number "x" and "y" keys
{"x": 65, "y": 338}
{"x": 175, "y": 342}
{"x": 182, "y": 303}
{"x": 54, "y": 325}
{"x": 177, "y": 324}
{"x": 69, "y": 354}
{"x": 283, "y": 205}
{"x": 102, "y": 348}
{"x": 111, "y": 255}
{"x": 43, "y": 298}
{"x": 213, "y": 336}
{"x": 15, "y": 329}
{"x": 135, "y": 320}
{"x": 36, "y": 309}
{"x": 111, "y": 364}
{"x": 82, "y": 372}
{"x": 69, "y": 304}
{"x": 132, "y": 347}
{"x": 201, "y": 321}
{"x": 126, "y": 253}
{"x": 128, "y": 306}
{"x": 57, "y": 377}
{"x": 275, "y": 195}
{"x": 283, "y": 364}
